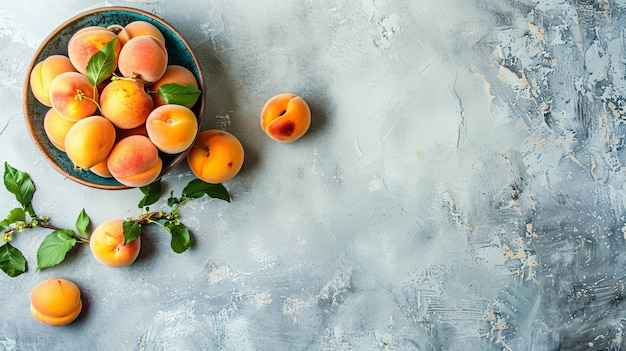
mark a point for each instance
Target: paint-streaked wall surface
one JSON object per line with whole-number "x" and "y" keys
{"x": 461, "y": 186}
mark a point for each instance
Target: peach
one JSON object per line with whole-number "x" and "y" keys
{"x": 173, "y": 74}
{"x": 125, "y": 103}
{"x": 107, "y": 245}
{"x": 143, "y": 57}
{"x": 55, "y": 302}
{"x": 56, "y": 128}
{"x": 134, "y": 161}
{"x": 102, "y": 169}
{"x": 72, "y": 95}
{"x": 139, "y": 28}
{"x": 86, "y": 42}
{"x": 44, "y": 72}
{"x": 89, "y": 141}
{"x": 216, "y": 156}
{"x": 285, "y": 117}
{"x": 172, "y": 128}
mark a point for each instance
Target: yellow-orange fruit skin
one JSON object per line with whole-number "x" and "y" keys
{"x": 139, "y": 28}
{"x": 134, "y": 161}
{"x": 89, "y": 141}
{"x": 63, "y": 96}
{"x": 102, "y": 169}
{"x": 173, "y": 74}
{"x": 144, "y": 57}
{"x": 285, "y": 117}
{"x": 107, "y": 245}
{"x": 172, "y": 128}
{"x": 125, "y": 103}
{"x": 43, "y": 74}
{"x": 216, "y": 156}
{"x": 55, "y": 302}
{"x": 56, "y": 128}
{"x": 85, "y": 43}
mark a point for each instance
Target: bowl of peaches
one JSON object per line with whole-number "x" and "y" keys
{"x": 114, "y": 98}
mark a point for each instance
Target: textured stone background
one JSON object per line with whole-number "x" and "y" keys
{"x": 461, "y": 187}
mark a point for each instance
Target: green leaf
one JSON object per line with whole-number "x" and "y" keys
{"x": 12, "y": 262}
{"x": 178, "y": 94}
{"x": 132, "y": 230}
{"x": 181, "y": 239}
{"x": 198, "y": 188}
{"x": 152, "y": 194}
{"x": 102, "y": 64}
{"x": 82, "y": 222}
{"x": 15, "y": 215}
{"x": 54, "y": 247}
{"x": 20, "y": 185}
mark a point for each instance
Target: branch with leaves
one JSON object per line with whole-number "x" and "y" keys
{"x": 55, "y": 246}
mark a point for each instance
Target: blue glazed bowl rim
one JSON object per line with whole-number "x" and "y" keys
{"x": 93, "y": 180}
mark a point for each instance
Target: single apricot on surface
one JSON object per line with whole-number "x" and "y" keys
{"x": 285, "y": 117}
{"x": 134, "y": 161}
{"x": 143, "y": 57}
{"x": 216, "y": 156}
{"x": 72, "y": 95}
{"x": 125, "y": 103}
{"x": 55, "y": 302}
{"x": 89, "y": 141}
{"x": 43, "y": 74}
{"x": 172, "y": 128}
{"x": 56, "y": 128}
{"x": 139, "y": 28}
{"x": 173, "y": 74}
{"x": 107, "y": 245}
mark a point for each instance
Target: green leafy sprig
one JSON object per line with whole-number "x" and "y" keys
{"x": 170, "y": 221}
{"x": 55, "y": 246}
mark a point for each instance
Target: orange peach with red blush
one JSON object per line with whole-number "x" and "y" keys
{"x": 172, "y": 128}
{"x": 72, "y": 95}
{"x": 108, "y": 247}
{"x": 44, "y": 73}
{"x": 285, "y": 117}
{"x": 134, "y": 161}
{"x": 139, "y": 28}
{"x": 143, "y": 57}
{"x": 86, "y": 42}
{"x": 216, "y": 156}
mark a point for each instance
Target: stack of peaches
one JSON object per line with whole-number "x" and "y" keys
{"x": 111, "y": 118}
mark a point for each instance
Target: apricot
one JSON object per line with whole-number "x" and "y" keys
{"x": 56, "y": 128}
{"x": 89, "y": 141}
{"x": 173, "y": 74}
{"x": 102, "y": 169}
{"x": 134, "y": 161}
{"x": 144, "y": 57}
{"x": 44, "y": 72}
{"x": 139, "y": 28}
{"x": 123, "y": 133}
{"x": 125, "y": 103}
{"x": 86, "y": 42}
{"x": 216, "y": 156}
{"x": 107, "y": 245}
{"x": 55, "y": 302}
{"x": 285, "y": 117}
{"x": 72, "y": 95}
{"x": 172, "y": 128}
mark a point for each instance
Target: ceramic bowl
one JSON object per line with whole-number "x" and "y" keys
{"x": 179, "y": 53}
